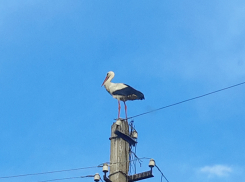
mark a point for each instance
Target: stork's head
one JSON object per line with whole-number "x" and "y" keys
{"x": 109, "y": 77}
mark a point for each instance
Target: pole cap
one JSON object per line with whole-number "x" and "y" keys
{"x": 152, "y": 163}
{"x": 118, "y": 122}
{"x": 105, "y": 167}
{"x": 96, "y": 177}
{"x": 135, "y": 134}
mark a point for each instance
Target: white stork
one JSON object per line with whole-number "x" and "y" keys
{"x": 121, "y": 92}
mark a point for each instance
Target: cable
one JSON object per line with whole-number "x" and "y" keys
{"x": 128, "y": 161}
{"x": 68, "y": 178}
{"x": 161, "y": 173}
{"x": 33, "y": 174}
{"x": 164, "y": 107}
{"x": 65, "y": 170}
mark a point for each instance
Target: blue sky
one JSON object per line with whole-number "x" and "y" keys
{"x": 55, "y": 115}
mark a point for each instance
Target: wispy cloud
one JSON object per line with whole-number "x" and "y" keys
{"x": 216, "y": 170}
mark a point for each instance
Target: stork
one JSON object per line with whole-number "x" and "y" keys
{"x": 121, "y": 91}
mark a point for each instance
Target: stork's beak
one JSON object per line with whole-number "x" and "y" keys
{"x": 106, "y": 78}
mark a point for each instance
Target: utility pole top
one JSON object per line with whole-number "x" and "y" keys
{"x": 122, "y": 140}
{"x": 119, "y": 153}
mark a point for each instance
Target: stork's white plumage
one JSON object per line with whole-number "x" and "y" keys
{"x": 121, "y": 92}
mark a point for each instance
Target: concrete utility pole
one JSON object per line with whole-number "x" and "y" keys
{"x": 119, "y": 153}
{"x": 121, "y": 139}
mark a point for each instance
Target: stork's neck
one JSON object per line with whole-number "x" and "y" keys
{"x": 108, "y": 83}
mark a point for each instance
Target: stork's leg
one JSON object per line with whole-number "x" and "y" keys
{"x": 119, "y": 107}
{"x": 125, "y": 109}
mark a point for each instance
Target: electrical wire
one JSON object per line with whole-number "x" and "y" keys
{"x": 68, "y": 178}
{"x": 66, "y": 170}
{"x": 164, "y": 107}
{"x": 177, "y": 103}
{"x": 49, "y": 172}
{"x": 143, "y": 158}
{"x": 161, "y": 173}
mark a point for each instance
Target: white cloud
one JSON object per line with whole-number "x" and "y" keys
{"x": 216, "y": 170}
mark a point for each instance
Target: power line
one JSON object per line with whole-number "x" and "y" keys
{"x": 68, "y": 178}
{"x": 65, "y": 170}
{"x": 177, "y": 103}
{"x": 142, "y": 158}
{"x": 162, "y": 175}
{"x": 164, "y": 107}
{"x": 49, "y": 172}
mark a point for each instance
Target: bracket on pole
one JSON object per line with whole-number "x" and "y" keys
{"x": 106, "y": 179}
{"x": 140, "y": 176}
{"x": 125, "y": 137}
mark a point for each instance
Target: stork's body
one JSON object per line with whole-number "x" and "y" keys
{"x": 121, "y": 92}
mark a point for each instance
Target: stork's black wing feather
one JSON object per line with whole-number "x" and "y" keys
{"x": 130, "y": 92}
